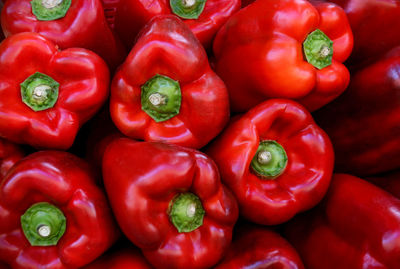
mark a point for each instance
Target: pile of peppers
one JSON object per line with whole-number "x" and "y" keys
{"x": 199, "y": 134}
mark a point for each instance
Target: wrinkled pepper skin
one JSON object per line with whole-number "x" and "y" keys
{"x": 65, "y": 181}
{"x": 132, "y": 16}
{"x": 83, "y": 79}
{"x": 357, "y": 227}
{"x": 110, "y": 11}
{"x": 259, "y": 247}
{"x": 300, "y": 186}
{"x": 143, "y": 179}
{"x": 83, "y": 26}
{"x": 10, "y": 154}
{"x": 364, "y": 123}
{"x": 375, "y": 27}
{"x": 167, "y": 47}
{"x": 126, "y": 258}
{"x": 259, "y": 53}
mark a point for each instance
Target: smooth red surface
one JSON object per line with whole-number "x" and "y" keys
{"x": 132, "y": 15}
{"x": 168, "y": 47}
{"x": 83, "y": 77}
{"x": 141, "y": 178}
{"x": 375, "y": 25}
{"x": 84, "y": 26}
{"x": 310, "y": 161}
{"x": 126, "y": 258}
{"x": 10, "y": 154}
{"x": 357, "y": 227}
{"x": 65, "y": 181}
{"x": 259, "y": 53}
{"x": 258, "y": 247}
{"x": 364, "y": 123}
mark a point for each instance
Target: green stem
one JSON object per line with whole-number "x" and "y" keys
{"x": 48, "y": 10}
{"x": 161, "y": 98}
{"x": 187, "y": 9}
{"x": 186, "y": 212}
{"x": 43, "y": 224}
{"x": 270, "y": 160}
{"x": 318, "y": 49}
{"x": 39, "y": 91}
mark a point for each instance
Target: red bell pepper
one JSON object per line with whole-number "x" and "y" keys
{"x": 52, "y": 215}
{"x": 166, "y": 90}
{"x": 204, "y": 17}
{"x": 47, "y": 94}
{"x": 169, "y": 201}
{"x": 375, "y": 26}
{"x": 364, "y": 123}
{"x": 10, "y": 154}
{"x": 284, "y": 49}
{"x": 126, "y": 258}
{"x": 258, "y": 247}
{"x": 357, "y": 227}
{"x": 68, "y": 23}
{"x": 276, "y": 160}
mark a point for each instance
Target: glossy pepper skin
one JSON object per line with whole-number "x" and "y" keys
{"x": 358, "y": 226}
{"x": 83, "y": 79}
{"x": 66, "y": 182}
{"x": 258, "y": 247}
{"x": 304, "y": 170}
{"x": 132, "y": 15}
{"x": 167, "y": 50}
{"x": 259, "y": 53}
{"x": 10, "y": 154}
{"x": 125, "y": 258}
{"x": 375, "y": 27}
{"x": 83, "y": 26}
{"x": 364, "y": 123}
{"x": 144, "y": 181}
